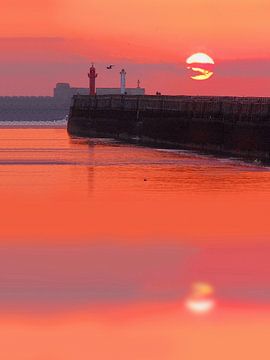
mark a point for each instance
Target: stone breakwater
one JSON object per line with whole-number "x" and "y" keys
{"x": 226, "y": 125}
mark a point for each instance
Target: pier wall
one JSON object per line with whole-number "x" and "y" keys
{"x": 228, "y": 125}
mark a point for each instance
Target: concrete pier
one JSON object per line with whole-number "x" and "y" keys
{"x": 226, "y": 125}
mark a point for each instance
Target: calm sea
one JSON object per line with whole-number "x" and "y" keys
{"x": 115, "y": 251}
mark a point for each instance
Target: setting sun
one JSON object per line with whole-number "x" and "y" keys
{"x": 200, "y": 58}
{"x": 200, "y": 73}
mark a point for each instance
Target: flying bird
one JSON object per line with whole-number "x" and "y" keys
{"x": 110, "y": 67}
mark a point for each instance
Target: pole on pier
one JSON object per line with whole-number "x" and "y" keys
{"x": 123, "y": 81}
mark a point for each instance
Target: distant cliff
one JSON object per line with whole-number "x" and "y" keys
{"x": 32, "y": 108}
{"x": 225, "y": 125}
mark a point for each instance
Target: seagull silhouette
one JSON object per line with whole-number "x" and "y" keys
{"x": 110, "y": 67}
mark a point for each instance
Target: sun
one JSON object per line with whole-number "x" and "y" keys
{"x": 200, "y": 58}
{"x": 201, "y": 65}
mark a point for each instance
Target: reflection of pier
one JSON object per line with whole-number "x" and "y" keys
{"x": 86, "y": 151}
{"x": 236, "y": 126}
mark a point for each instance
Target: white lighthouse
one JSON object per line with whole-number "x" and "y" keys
{"x": 123, "y": 81}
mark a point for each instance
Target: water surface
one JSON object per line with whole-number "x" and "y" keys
{"x": 101, "y": 241}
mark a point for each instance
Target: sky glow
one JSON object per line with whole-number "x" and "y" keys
{"x": 54, "y": 41}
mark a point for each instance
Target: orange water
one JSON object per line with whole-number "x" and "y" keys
{"x": 100, "y": 243}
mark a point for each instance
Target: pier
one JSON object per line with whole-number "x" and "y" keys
{"x": 232, "y": 126}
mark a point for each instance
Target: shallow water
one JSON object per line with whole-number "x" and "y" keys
{"x": 101, "y": 242}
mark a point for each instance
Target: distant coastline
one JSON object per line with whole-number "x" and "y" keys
{"x": 32, "y": 108}
{"x": 39, "y": 108}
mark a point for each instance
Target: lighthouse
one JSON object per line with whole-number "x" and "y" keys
{"x": 92, "y": 80}
{"x": 123, "y": 81}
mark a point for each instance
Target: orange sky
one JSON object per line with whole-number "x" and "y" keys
{"x": 137, "y": 32}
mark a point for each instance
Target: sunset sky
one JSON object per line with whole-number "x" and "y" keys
{"x": 55, "y": 41}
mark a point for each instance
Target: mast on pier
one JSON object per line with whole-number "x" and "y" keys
{"x": 123, "y": 81}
